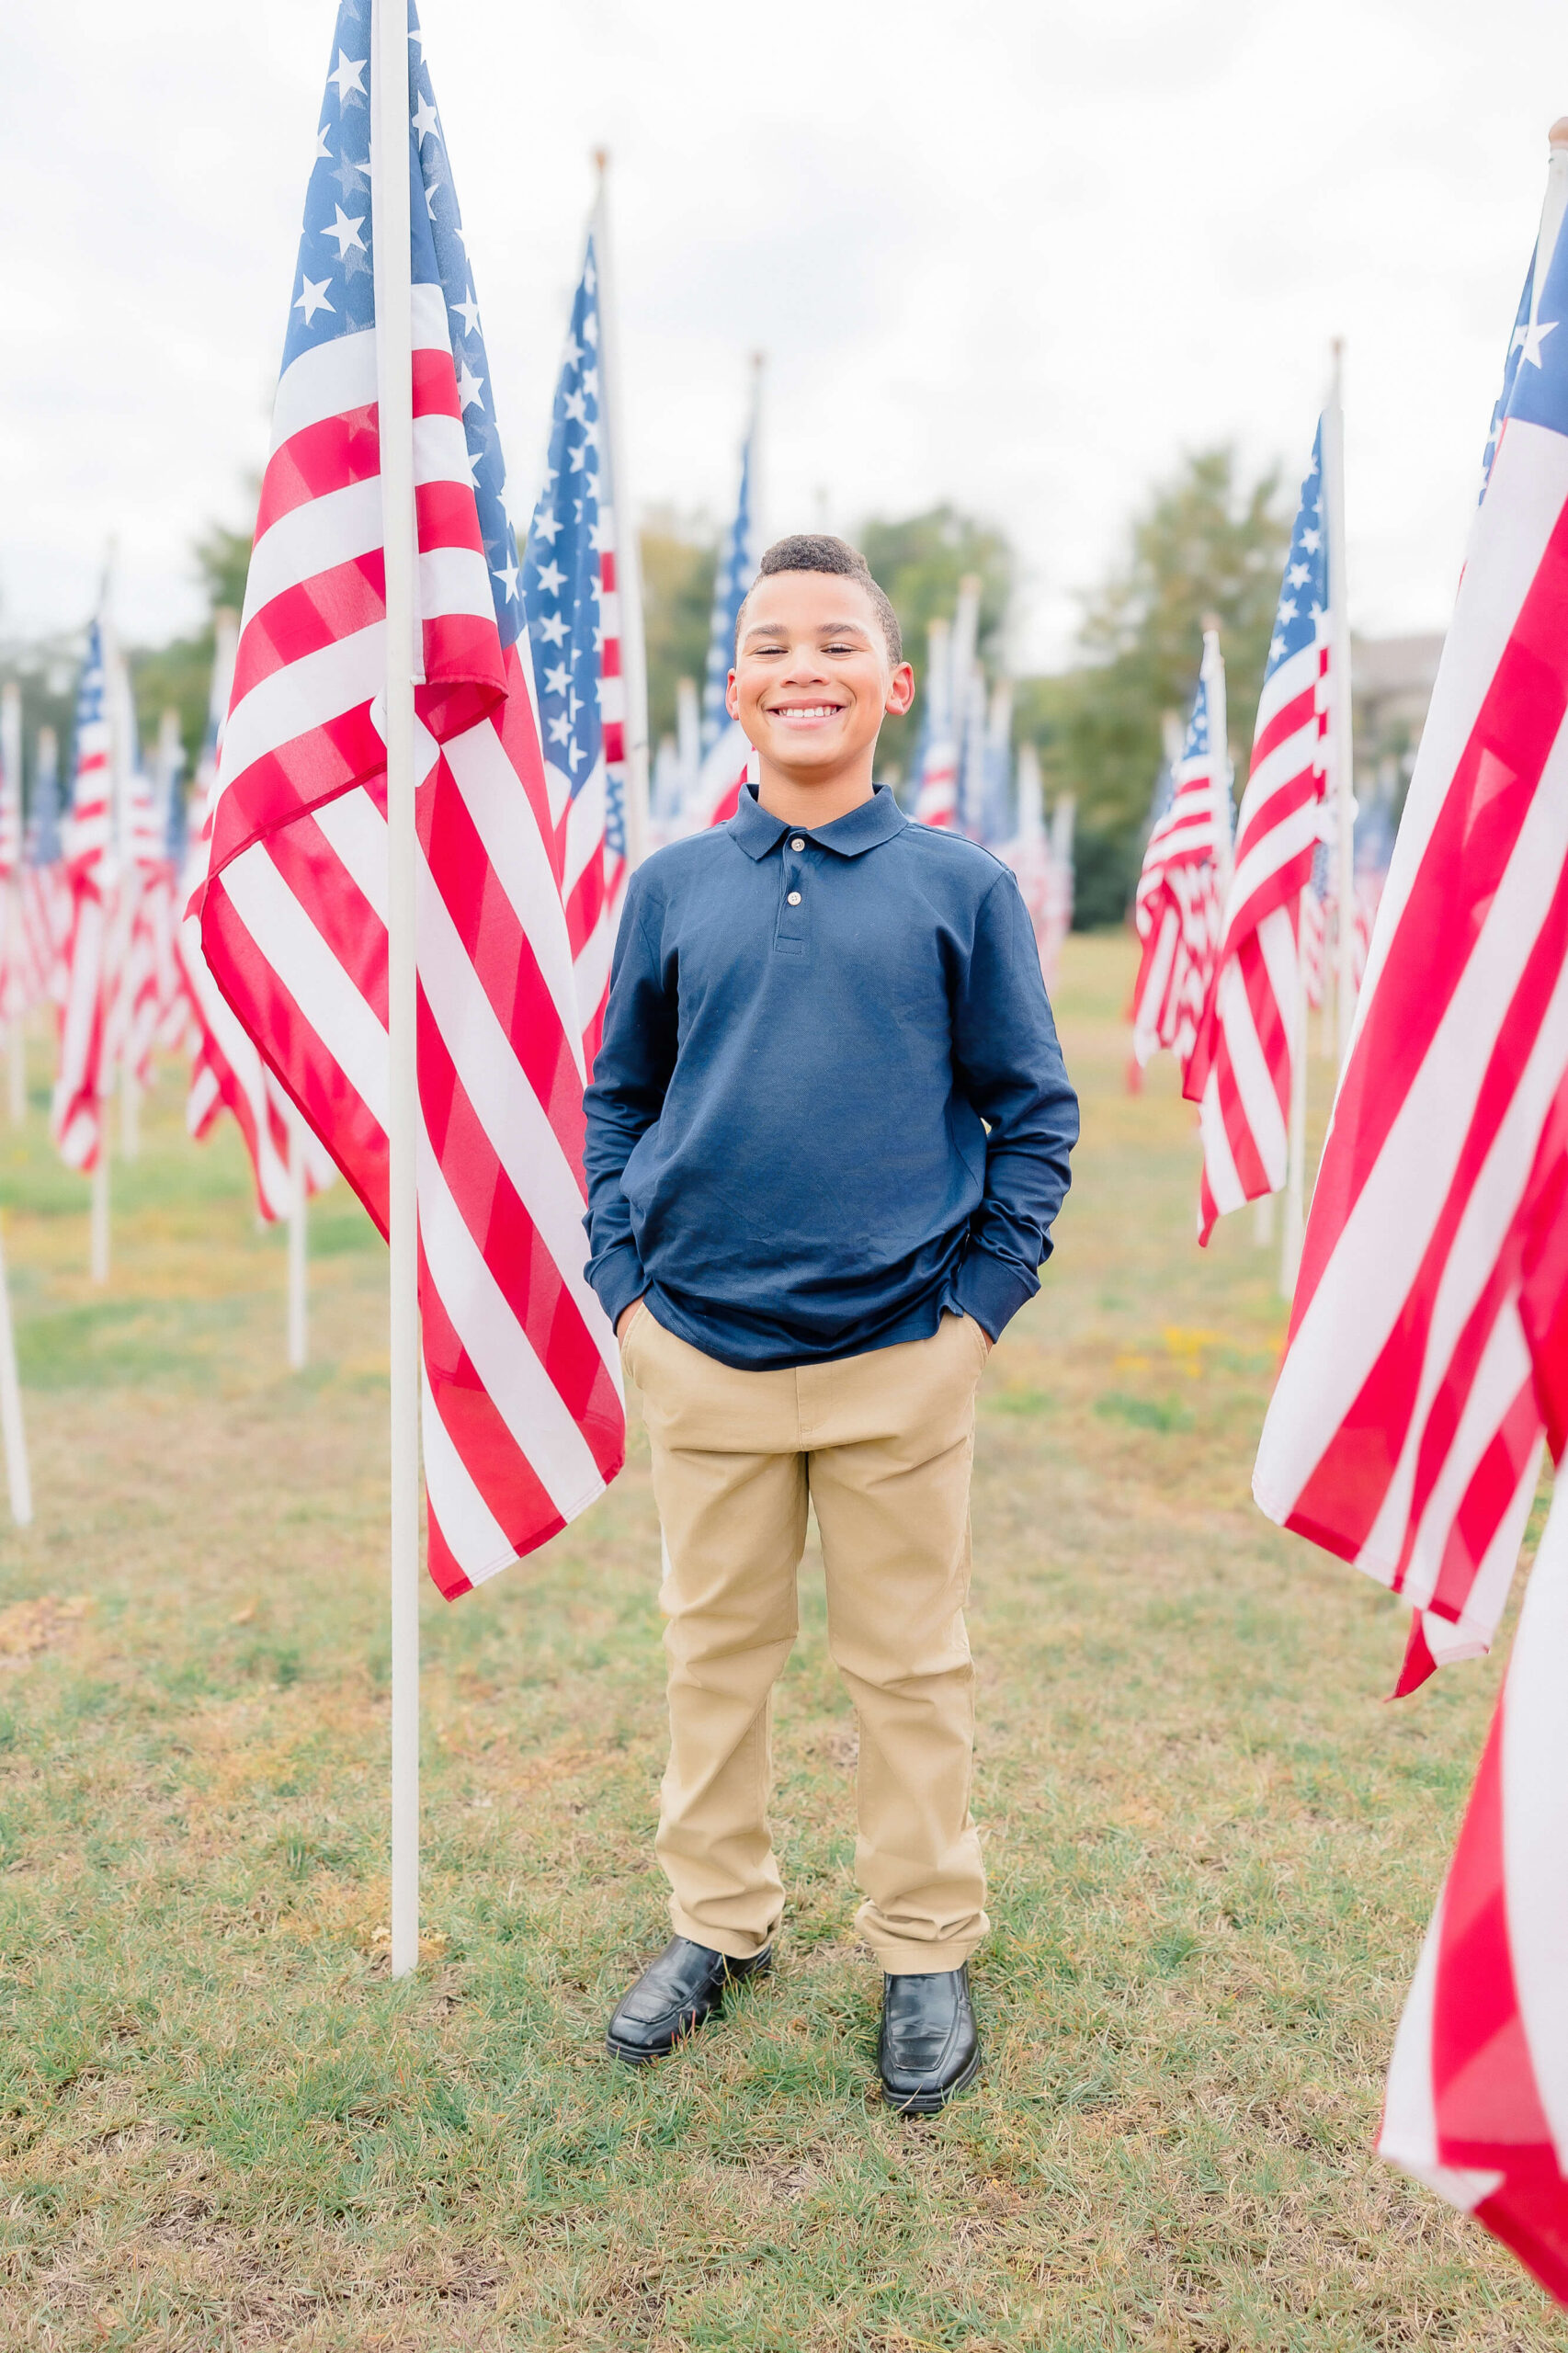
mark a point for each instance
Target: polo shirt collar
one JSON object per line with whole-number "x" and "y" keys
{"x": 877, "y": 820}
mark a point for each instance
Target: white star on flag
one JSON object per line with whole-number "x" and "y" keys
{"x": 347, "y": 232}
{"x": 346, "y": 74}
{"x": 313, "y": 298}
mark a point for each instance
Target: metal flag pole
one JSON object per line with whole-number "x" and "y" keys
{"x": 1341, "y": 737}
{"x": 298, "y": 1330}
{"x": 17, "y": 1481}
{"x": 394, "y": 395}
{"x": 628, "y": 559}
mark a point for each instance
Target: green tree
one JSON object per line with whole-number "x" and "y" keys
{"x": 1207, "y": 541}
{"x": 919, "y": 561}
{"x": 679, "y": 560}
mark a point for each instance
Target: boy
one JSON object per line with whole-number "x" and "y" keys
{"x": 827, "y": 1136}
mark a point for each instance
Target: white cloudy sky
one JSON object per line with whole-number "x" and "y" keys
{"x": 1014, "y": 253}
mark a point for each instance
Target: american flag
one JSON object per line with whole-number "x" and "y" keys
{"x": 1427, "y": 1358}
{"x": 226, "y": 1071}
{"x": 1177, "y": 910}
{"x": 1241, "y": 1063}
{"x": 14, "y": 962}
{"x": 523, "y": 1416}
{"x": 726, "y": 755}
{"x": 82, "y": 1070}
{"x": 573, "y": 610}
{"x": 937, "y": 760}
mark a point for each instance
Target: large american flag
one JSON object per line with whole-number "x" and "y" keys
{"x": 1176, "y": 909}
{"x": 573, "y": 608}
{"x": 523, "y": 1416}
{"x": 82, "y": 1070}
{"x": 726, "y": 755}
{"x": 1240, "y": 1068}
{"x": 1427, "y": 1358}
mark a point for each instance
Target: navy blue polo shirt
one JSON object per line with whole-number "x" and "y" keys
{"x": 829, "y": 1102}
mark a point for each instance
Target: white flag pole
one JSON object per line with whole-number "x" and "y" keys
{"x": 757, "y": 488}
{"x": 1296, "y": 1142}
{"x": 395, "y": 376}
{"x": 298, "y": 1330}
{"x": 1340, "y": 734}
{"x": 15, "y": 1437}
{"x": 627, "y": 557}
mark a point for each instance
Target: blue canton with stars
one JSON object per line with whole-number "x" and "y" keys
{"x": 737, "y": 563}
{"x": 563, "y": 592}
{"x": 1196, "y": 746}
{"x": 44, "y": 825}
{"x": 1535, "y": 387}
{"x": 91, "y": 703}
{"x": 335, "y": 283}
{"x": 1510, "y": 369}
{"x": 1304, "y": 592}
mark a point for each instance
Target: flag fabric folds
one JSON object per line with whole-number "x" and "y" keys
{"x": 572, "y": 612}
{"x": 1177, "y": 906}
{"x": 523, "y": 1416}
{"x": 227, "y": 1073}
{"x": 1427, "y": 1358}
{"x": 1477, "y": 2102}
{"x": 1239, "y": 1071}
{"x": 81, "y": 1069}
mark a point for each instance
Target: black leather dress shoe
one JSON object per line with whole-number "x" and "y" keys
{"x": 674, "y": 1996}
{"x": 929, "y": 2048}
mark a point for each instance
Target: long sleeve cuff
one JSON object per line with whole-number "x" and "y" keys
{"x": 992, "y": 1289}
{"x": 616, "y": 1275}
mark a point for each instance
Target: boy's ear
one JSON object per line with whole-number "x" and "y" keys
{"x": 731, "y": 698}
{"x": 901, "y": 690}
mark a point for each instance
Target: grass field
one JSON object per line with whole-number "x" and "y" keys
{"x": 1212, "y": 1852}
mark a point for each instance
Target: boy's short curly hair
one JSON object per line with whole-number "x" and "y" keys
{"x": 820, "y": 551}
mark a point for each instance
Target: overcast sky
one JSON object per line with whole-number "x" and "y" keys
{"x": 1020, "y": 256}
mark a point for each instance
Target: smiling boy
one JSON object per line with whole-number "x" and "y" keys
{"x": 827, "y": 1136}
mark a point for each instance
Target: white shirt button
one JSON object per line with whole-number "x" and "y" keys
{"x": 794, "y": 898}
{"x": 797, "y": 843}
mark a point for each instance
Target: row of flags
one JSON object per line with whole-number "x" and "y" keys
{"x": 968, "y": 780}
{"x": 1425, "y": 1371}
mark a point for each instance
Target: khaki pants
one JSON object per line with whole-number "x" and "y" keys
{"x": 882, "y": 1445}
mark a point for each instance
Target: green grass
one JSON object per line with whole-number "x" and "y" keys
{"x": 1212, "y": 1853}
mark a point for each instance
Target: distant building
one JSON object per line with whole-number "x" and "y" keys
{"x": 1391, "y": 680}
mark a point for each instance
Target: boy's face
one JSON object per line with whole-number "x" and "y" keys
{"x": 812, "y": 679}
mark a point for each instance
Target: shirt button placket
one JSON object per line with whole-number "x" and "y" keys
{"x": 790, "y": 936}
